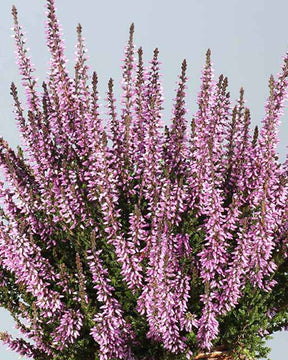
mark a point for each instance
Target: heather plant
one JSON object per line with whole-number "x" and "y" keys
{"x": 125, "y": 239}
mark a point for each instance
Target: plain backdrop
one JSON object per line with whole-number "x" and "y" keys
{"x": 247, "y": 37}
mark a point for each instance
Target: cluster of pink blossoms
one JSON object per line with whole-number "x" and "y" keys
{"x": 97, "y": 213}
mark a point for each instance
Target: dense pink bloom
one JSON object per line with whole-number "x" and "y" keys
{"x": 115, "y": 231}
